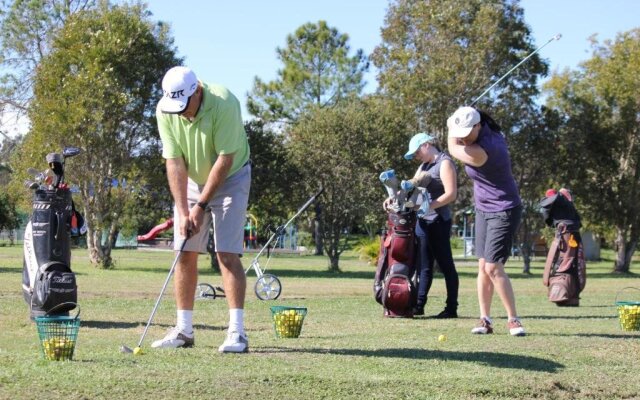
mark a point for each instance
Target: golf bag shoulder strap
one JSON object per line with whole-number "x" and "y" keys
{"x": 557, "y": 244}
{"x": 381, "y": 268}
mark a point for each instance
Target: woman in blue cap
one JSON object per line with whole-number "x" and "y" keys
{"x": 434, "y": 227}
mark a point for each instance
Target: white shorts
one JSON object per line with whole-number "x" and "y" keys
{"x": 227, "y": 208}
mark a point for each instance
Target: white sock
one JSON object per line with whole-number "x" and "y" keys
{"x": 236, "y": 320}
{"x": 485, "y": 317}
{"x": 185, "y": 321}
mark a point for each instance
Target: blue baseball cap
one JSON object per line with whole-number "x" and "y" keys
{"x": 416, "y": 141}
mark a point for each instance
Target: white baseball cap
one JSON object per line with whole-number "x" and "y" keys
{"x": 178, "y": 84}
{"x": 462, "y": 121}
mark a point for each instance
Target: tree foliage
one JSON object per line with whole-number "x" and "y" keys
{"x": 344, "y": 149}
{"x": 97, "y": 89}
{"x": 437, "y": 55}
{"x": 26, "y": 31}
{"x": 600, "y": 137}
{"x": 273, "y": 177}
{"x": 317, "y": 71}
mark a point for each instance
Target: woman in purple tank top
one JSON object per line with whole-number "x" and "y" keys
{"x": 475, "y": 139}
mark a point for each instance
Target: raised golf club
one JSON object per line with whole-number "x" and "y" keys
{"x": 556, "y": 37}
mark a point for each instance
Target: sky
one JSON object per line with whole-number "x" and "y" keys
{"x": 232, "y": 42}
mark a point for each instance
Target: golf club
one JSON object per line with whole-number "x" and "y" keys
{"x": 138, "y": 349}
{"x": 556, "y": 37}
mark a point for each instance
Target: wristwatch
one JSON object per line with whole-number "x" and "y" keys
{"x": 202, "y": 204}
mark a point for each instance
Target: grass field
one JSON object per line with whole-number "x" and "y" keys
{"x": 347, "y": 350}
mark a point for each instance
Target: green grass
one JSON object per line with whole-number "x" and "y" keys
{"x": 347, "y": 350}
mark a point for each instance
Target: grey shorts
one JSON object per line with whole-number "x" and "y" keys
{"x": 227, "y": 208}
{"x": 495, "y": 232}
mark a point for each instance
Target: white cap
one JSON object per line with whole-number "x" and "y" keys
{"x": 178, "y": 84}
{"x": 462, "y": 121}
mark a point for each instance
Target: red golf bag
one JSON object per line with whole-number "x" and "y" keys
{"x": 393, "y": 286}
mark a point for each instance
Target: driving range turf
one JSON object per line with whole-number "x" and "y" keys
{"x": 346, "y": 350}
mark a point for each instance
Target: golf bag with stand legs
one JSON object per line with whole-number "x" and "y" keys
{"x": 47, "y": 279}
{"x": 565, "y": 270}
{"x": 394, "y": 287}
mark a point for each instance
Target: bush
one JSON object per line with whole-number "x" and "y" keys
{"x": 368, "y": 250}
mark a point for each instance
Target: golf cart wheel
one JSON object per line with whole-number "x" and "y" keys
{"x": 268, "y": 287}
{"x": 205, "y": 291}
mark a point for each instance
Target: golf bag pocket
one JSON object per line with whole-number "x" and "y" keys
{"x": 562, "y": 289}
{"x": 401, "y": 246}
{"x": 398, "y": 294}
{"x": 55, "y": 284}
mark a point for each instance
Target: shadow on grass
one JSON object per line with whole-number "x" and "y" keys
{"x": 629, "y": 336}
{"x": 130, "y": 325}
{"x": 570, "y": 317}
{"x": 498, "y": 360}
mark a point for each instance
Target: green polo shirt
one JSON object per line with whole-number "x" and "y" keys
{"x": 216, "y": 129}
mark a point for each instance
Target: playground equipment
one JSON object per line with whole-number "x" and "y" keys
{"x": 168, "y": 224}
{"x": 251, "y": 232}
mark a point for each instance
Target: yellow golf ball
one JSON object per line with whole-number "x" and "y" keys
{"x": 442, "y": 338}
{"x": 138, "y": 351}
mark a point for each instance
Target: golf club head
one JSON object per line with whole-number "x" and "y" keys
{"x": 125, "y": 349}
{"x": 31, "y": 185}
{"x": 33, "y": 172}
{"x": 56, "y": 163}
{"x": 71, "y": 151}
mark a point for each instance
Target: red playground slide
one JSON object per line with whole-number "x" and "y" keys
{"x": 155, "y": 230}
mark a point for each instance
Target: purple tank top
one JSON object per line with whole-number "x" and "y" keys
{"x": 494, "y": 187}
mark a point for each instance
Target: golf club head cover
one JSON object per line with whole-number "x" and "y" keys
{"x": 390, "y": 182}
{"x": 424, "y": 202}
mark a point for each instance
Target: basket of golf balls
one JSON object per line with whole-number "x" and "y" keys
{"x": 58, "y": 336}
{"x": 629, "y": 313}
{"x": 287, "y": 321}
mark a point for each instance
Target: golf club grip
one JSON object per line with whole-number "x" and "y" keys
{"x": 311, "y": 200}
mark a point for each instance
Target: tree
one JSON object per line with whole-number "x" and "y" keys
{"x": 344, "y": 149}
{"x": 97, "y": 89}
{"x": 318, "y": 71}
{"x": 600, "y": 137}
{"x": 26, "y": 30}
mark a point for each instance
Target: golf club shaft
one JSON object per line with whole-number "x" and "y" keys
{"x": 164, "y": 287}
{"x": 556, "y": 37}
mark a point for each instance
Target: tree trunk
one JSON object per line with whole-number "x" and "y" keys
{"x": 98, "y": 254}
{"x": 318, "y": 229}
{"x": 624, "y": 251}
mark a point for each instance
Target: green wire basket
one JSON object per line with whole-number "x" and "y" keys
{"x": 58, "y": 335}
{"x": 629, "y": 312}
{"x": 287, "y": 321}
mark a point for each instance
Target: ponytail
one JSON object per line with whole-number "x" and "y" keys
{"x": 486, "y": 119}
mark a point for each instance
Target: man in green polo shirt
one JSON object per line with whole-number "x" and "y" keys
{"x": 207, "y": 157}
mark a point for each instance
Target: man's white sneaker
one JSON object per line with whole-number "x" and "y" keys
{"x": 175, "y": 338}
{"x": 235, "y": 343}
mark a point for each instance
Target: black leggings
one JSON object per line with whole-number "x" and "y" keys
{"x": 434, "y": 244}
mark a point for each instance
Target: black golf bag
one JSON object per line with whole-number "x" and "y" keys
{"x": 565, "y": 271}
{"x": 393, "y": 286}
{"x": 48, "y": 284}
